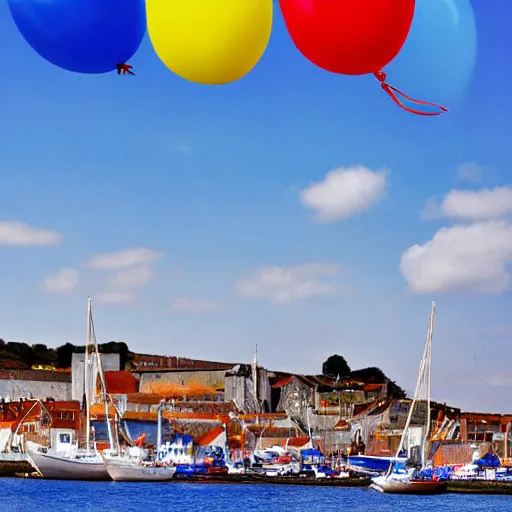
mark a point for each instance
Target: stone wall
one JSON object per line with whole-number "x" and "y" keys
{"x": 15, "y": 389}
{"x": 206, "y": 378}
{"x": 239, "y": 389}
{"x": 296, "y": 398}
{"x": 264, "y": 390}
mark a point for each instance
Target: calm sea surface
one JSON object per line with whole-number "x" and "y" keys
{"x": 18, "y": 495}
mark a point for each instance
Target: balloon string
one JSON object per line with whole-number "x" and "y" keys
{"x": 401, "y": 99}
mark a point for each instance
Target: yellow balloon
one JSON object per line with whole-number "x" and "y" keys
{"x": 210, "y": 41}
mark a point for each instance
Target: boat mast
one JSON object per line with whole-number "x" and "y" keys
{"x": 103, "y": 384}
{"x": 86, "y": 379}
{"x": 428, "y": 386}
{"x": 159, "y": 428}
{"x": 419, "y": 385}
{"x": 255, "y": 380}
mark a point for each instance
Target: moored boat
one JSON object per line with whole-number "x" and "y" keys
{"x": 56, "y": 466}
{"x": 393, "y": 484}
{"x": 407, "y": 480}
{"x": 64, "y": 459}
{"x": 129, "y": 468}
{"x": 371, "y": 464}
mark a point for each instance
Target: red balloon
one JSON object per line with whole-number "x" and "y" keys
{"x": 355, "y": 37}
{"x": 350, "y": 37}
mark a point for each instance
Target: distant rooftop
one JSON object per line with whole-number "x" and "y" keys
{"x": 152, "y": 362}
{"x": 35, "y": 375}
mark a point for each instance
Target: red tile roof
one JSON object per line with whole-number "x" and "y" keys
{"x": 373, "y": 387}
{"x": 120, "y": 383}
{"x": 143, "y": 398}
{"x": 298, "y": 441}
{"x": 150, "y": 362}
{"x": 14, "y": 412}
{"x": 282, "y": 381}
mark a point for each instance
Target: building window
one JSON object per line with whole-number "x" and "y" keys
{"x": 67, "y": 415}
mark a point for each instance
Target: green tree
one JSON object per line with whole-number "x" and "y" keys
{"x": 22, "y": 350}
{"x": 65, "y": 354}
{"x": 370, "y": 374}
{"x": 335, "y": 365}
{"x": 117, "y": 347}
{"x": 41, "y": 354}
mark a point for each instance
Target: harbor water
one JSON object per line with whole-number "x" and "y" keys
{"x": 22, "y": 495}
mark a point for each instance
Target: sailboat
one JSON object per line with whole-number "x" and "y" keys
{"x": 74, "y": 463}
{"x": 408, "y": 480}
{"x": 136, "y": 464}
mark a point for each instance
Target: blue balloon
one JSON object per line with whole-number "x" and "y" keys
{"x": 438, "y": 58}
{"x": 84, "y": 36}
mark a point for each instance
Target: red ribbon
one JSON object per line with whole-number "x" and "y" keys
{"x": 429, "y": 109}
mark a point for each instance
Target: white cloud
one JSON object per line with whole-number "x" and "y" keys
{"x": 345, "y": 192}
{"x": 123, "y": 259}
{"x": 481, "y": 204}
{"x": 289, "y": 284}
{"x": 469, "y": 171}
{"x": 134, "y": 277}
{"x": 193, "y": 305}
{"x": 133, "y": 269}
{"x": 19, "y": 234}
{"x": 471, "y": 257}
{"x": 115, "y": 297}
{"x": 63, "y": 281}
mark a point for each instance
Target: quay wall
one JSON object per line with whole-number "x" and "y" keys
{"x": 12, "y": 463}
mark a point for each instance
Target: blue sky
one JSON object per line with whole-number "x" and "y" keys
{"x": 202, "y": 192}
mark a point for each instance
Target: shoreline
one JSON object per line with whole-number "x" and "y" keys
{"x": 482, "y": 487}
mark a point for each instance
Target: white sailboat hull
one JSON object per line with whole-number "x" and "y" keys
{"x": 58, "y": 467}
{"x": 392, "y": 485}
{"x": 122, "y": 470}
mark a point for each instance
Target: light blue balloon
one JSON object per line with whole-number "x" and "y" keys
{"x": 437, "y": 61}
{"x": 85, "y": 36}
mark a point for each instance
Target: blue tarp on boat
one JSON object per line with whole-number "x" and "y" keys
{"x": 372, "y": 464}
{"x": 489, "y": 460}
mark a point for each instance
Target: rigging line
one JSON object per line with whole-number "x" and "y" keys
{"x": 103, "y": 383}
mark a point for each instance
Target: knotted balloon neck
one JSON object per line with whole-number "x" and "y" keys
{"x": 421, "y": 108}
{"x": 124, "y": 68}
